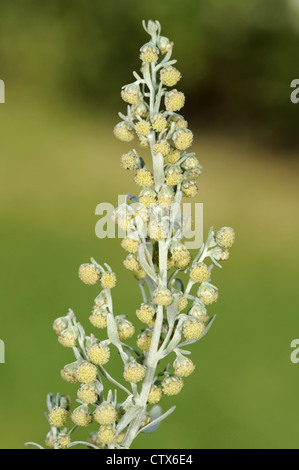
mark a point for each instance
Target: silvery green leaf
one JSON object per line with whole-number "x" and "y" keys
{"x": 155, "y": 423}
{"x": 158, "y": 166}
{"x": 112, "y": 330}
{"x": 172, "y": 310}
{"x": 146, "y": 264}
{"x": 176, "y": 338}
{"x": 178, "y": 284}
{"x": 34, "y": 444}
{"x": 130, "y": 414}
{"x": 132, "y": 197}
{"x": 150, "y": 284}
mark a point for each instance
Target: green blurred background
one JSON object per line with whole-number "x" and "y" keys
{"x": 63, "y": 64}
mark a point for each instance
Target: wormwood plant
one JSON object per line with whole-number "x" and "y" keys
{"x": 174, "y": 316}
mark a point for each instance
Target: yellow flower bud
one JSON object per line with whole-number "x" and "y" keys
{"x": 67, "y": 339}
{"x": 157, "y": 231}
{"x": 82, "y": 416}
{"x": 174, "y": 100}
{"x": 86, "y": 372}
{"x": 58, "y": 417}
{"x": 193, "y": 329}
{"x": 134, "y": 372}
{"x": 106, "y": 435}
{"x": 181, "y": 256}
{"x": 131, "y": 263}
{"x": 200, "y": 273}
{"x": 98, "y": 354}
{"x": 147, "y": 197}
{"x": 125, "y": 330}
{"x": 161, "y": 146}
{"x": 146, "y": 314}
{"x": 131, "y": 94}
{"x": 105, "y": 414}
{"x": 99, "y": 318}
{"x": 173, "y": 156}
{"x": 130, "y": 161}
{"x": 155, "y": 395}
{"x": 149, "y": 53}
{"x": 124, "y": 132}
{"x": 190, "y": 163}
{"x": 120, "y": 437}
{"x": 189, "y": 188}
{"x": 159, "y": 123}
{"x": 170, "y": 76}
{"x": 140, "y": 274}
{"x": 162, "y": 296}
{"x": 183, "y": 302}
{"x": 63, "y": 441}
{"x": 108, "y": 280}
{"x": 68, "y": 373}
{"x": 174, "y": 176}
{"x": 144, "y": 177}
{"x": 179, "y": 121}
{"x": 225, "y": 237}
{"x": 89, "y": 274}
{"x": 172, "y": 385}
{"x": 182, "y": 139}
{"x": 144, "y": 340}
{"x": 183, "y": 367}
{"x": 142, "y": 127}
{"x": 88, "y": 394}
{"x": 59, "y": 325}
{"x": 130, "y": 244}
{"x": 145, "y": 420}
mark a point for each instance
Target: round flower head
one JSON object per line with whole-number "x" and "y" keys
{"x": 189, "y": 188}
{"x": 67, "y": 339}
{"x": 86, "y": 372}
{"x": 144, "y": 340}
{"x": 58, "y": 417}
{"x": 149, "y": 53}
{"x": 159, "y": 123}
{"x": 162, "y": 296}
{"x": 88, "y": 394}
{"x": 174, "y": 176}
{"x": 182, "y": 139}
{"x": 134, "y": 372}
{"x": 106, "y": 435}
{"x": 225, "y": 237}
{"x": 147, "y": 197}
{"x": 200, "y": 273}
{"x": 63, "y": 441}
{"x": 142, "y": 127}
{"x": 183, "y": 367}
{"x": 183, "y": 302}
{"x": 98, "y": 354}
{"x": 82, "y": 416}
{"x": 140, "y": 110}
{"x": 99, "y": 318}
{"x": 190, "y": 163}
{"x": 146, "y": 314}
{"x": 179, "y": 121}
{"x": 130, "y": 244}
{"x": 131, "y": 263}
{"x": 181, "y": 256}
{"x": 164, "y": 44}
{"x": 68, "y": 373}
{"x": 193, "y": 329}
{"x": 154, "y": 395}
{"x": 172, "y": 385}
{"x": 131, "y": 94}
{"x": 174, "y": 100}
{"x": 170, "y": 76}
{"x": 224, "y": 255}
{"x": 89, "y": 274}
{"x": 161, "y": 146}
{"x": 108, "y": 280}
{"x": 105, "y": 414}
{"x": 144, "y": 177}
{"x": 166, "y": 196}
{"x": 124, "y": 132}
{"x": 173, "y": 156}
{"x": 130, "y": 161}
{"x": 125, "y": 330}
{"x": 208, "y": 295}
{"x": 59, "y": 325}
{"x": 157, "y": 231}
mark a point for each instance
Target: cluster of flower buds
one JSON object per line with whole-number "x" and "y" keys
{"x": 172, "y": 316}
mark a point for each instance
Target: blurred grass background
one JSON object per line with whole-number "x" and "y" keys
{"x": 63, "y": 67}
